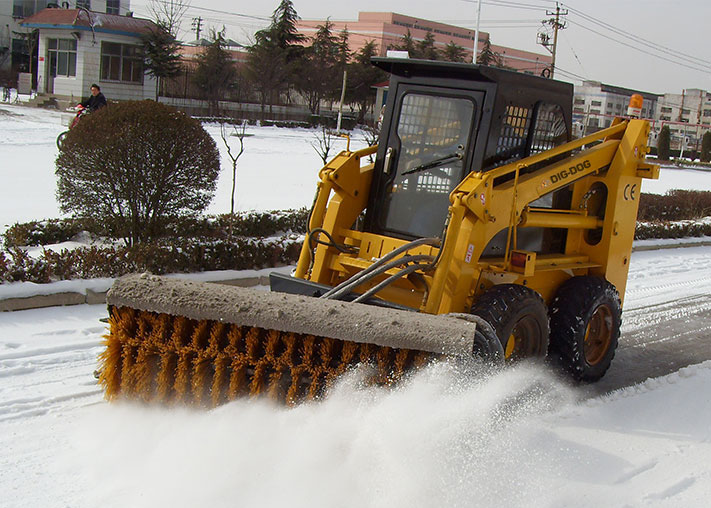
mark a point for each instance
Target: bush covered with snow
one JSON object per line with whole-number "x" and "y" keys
{"x": 186, "y": 245}
{"x": 249, "y": 224}
{"x": 185, "y": 256}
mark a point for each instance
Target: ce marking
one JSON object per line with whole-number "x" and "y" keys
{"x": 630, "y": 191}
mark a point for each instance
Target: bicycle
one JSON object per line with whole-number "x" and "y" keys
{"x": 80, "y": 112}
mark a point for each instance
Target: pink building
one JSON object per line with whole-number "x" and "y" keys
{"x": 388, "y": 28}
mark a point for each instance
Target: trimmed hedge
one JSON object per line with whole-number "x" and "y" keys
{"x": 646, "y": 231}
{"x": 187, "y": 245}
{"x": 186, "y": 256}
{"x": 251, "y": 224}
{"x": 674, "y": 205}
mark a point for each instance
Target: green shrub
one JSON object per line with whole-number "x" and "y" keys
{"x": 664, "y": 143}
{"x": 187, "y": 256}
{"x": 674, "y": 205}
{"x": 133, "y": 164}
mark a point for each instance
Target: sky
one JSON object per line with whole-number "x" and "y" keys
{"x": 654, "y": 46}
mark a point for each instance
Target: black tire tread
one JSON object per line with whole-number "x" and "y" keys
{"x": 570, "y": 312}
{"x": 501, "y": 301}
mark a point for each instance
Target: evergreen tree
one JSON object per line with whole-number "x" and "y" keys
{"x": 318, "y": 72}
{"x": 454, "y": 53}
{"x": 283, "y": 27}
{"x": 706, "y": 147}
{"x": 343, "y": 58}
{"x": 407, "y": 43}
{"x": 664, "y": 143}
{"x": 275, "y": 53}
{"x": 160, "y": 54}
{"x": 362, "y": 75}
{"x": 215, "y": 70}
{"x": 426, "y": 48}
{"x": 486, "y": 56}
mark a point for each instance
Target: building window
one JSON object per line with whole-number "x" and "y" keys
{"x": 707, "y": 113}
{"x": 579, "y": 100}
{"x": 596, "y": 103}
{"x": 62, "y": 54}
{"x": 86, "y": 4}
{"x": 685, "y": 111}
{"x": 113, "y": 6}
{"x": 26, "y": 8}
{"x": 121, "y": 62}
{"x": 665, "y": 118}
{"x": 666, "y": 110}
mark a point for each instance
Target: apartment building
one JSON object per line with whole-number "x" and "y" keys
{"x": 596, "y": 104}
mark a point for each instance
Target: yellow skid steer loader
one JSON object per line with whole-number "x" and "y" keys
{"x": 481, "y": 229}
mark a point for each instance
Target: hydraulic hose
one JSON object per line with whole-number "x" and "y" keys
{"x": 355, "y": 279}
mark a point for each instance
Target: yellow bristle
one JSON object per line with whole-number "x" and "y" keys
{"x": 252, "y": 344}
{"x": 201, "y": 378}
{"x": 200, "y": 336}
{"x": 144, "y": 373}
{"x": 220, "y": 379}
{"x": 166, "y": 376}
{"x": 259, "y": 379}
{"x": 126, "y": 369}
{"x": 181, "y": 332}
{"x": 238, "y": 378}
{"x": 110, "y": 367}
{"x": 182, "y": 375}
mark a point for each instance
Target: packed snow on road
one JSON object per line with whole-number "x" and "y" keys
{"x": 452, "y": 435}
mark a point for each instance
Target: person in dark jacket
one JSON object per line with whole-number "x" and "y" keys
{"x": 96, "y": 100}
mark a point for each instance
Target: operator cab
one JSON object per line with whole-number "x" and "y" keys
{"x": 444, "y": 120}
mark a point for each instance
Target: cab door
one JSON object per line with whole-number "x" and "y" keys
{"x": 431, "y": 137}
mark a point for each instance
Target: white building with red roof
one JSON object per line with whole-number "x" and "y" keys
{"x": 79, "y": 47}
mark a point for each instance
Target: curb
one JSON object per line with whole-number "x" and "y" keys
{"x": 640, "y": 248}
{"x": 99, "y": 297}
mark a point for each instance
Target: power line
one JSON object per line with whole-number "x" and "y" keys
{"x": 639, "y": 49}
{"x": 651, "y": 44}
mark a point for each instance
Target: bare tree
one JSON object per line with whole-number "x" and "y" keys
{"x": 169, "y": 13}
{"x": 323, "y": 143}
{"x": 239, "y": 133}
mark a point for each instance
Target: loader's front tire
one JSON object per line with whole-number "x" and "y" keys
{"x": 519, "y": 317}
{"x": 585, "y": 319}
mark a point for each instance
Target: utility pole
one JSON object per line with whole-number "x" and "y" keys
{"x": 544, "y": 38}
{"x": 476, "y": 32}
{"x": 197, "y": 26}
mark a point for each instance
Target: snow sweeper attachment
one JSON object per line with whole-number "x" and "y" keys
{"x": 480, "y": 229}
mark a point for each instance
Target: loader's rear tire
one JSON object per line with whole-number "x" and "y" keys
{"x": 519, "y": 317}
{"x": 585, "y": 319}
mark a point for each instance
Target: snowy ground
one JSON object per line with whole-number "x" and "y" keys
{"x": 451, "y": 437}
{"x": 448, "y": 438}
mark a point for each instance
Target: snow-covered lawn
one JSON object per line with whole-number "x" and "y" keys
{"x": 447, "y": 438}
{"x": 278, "y": 170}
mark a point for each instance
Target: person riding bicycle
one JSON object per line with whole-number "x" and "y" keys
{"x": 96, "y": 100}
